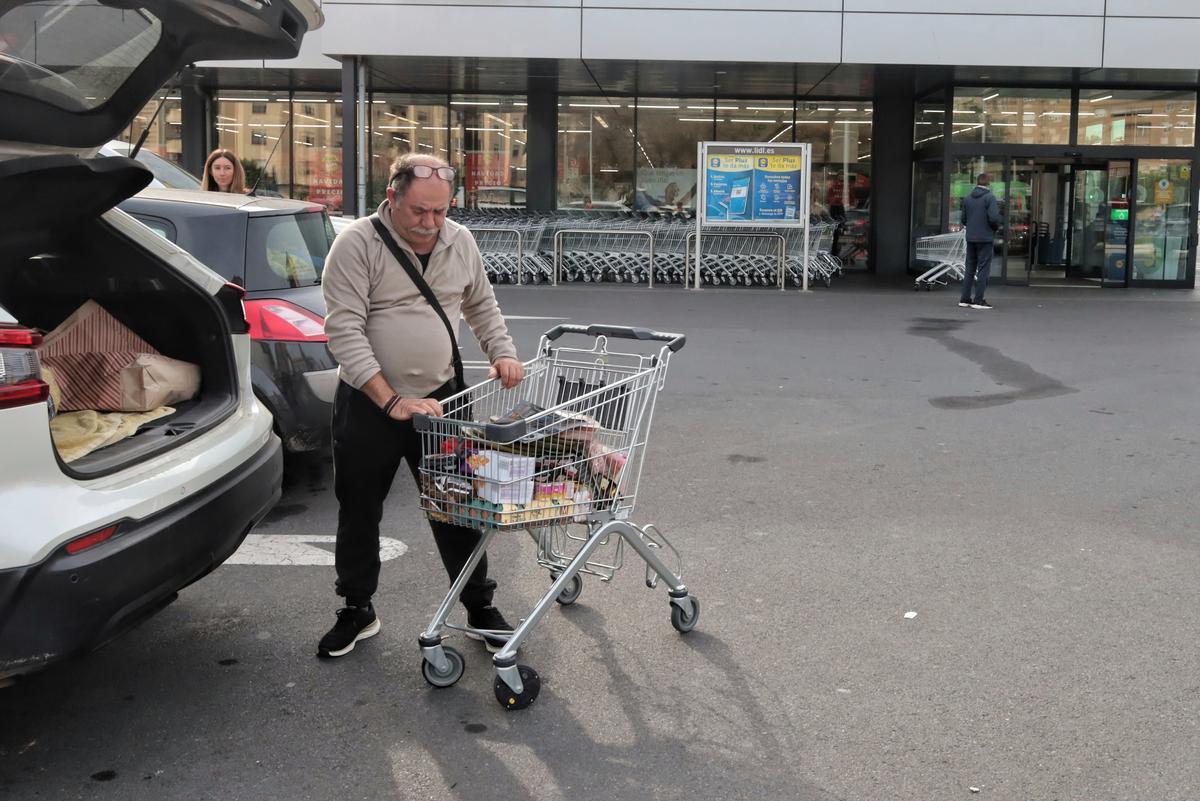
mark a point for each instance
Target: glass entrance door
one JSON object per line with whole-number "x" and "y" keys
{"x": 1100, "y": 223}
{"x": 1088, "y": 222}
{"x": 1019, "y": 201}
{"x": 1118, "y": 225}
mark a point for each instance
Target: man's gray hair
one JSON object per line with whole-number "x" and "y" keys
{"x": 400, "y": 175}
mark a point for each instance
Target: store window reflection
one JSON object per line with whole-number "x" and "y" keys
{"x": 1137, "y": 117}
{"x": 929, "y": 122}
{"x": 667, "y": 133}
{"x": 754, "y": 121}
{"x": 1161, "y": 229}
{"x": 1012, "y": 116}
{"x": 595, "y": 153}
{"x": 316, "y": 143}
{"x": 402, "y": 123}
{"x": 166, "y": 129}
{"x": 251, "y": 125}
{"x": 841, "y": 135}
{"x": 487, "y": 147}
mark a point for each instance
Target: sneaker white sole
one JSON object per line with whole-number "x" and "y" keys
{"x": 965, "y": 305}
{"x": 984, "y": 308}
{"x": 369, "y": 631}
{"x": 494, "y": 649}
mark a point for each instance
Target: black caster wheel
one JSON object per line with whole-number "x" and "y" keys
{"x": 686, "y": 621}
{"x": 510, "y": 700}
{"x": 453, "y": 673}
{"x": 572, "y": 591}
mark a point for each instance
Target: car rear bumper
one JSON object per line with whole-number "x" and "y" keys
{"x": 67, "y": 605}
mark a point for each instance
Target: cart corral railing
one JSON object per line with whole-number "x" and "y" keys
{"x": 525, "y": 247}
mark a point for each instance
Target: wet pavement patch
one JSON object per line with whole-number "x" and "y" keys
{"x": 738, "y": 458}
{"x": 104, "y": 775}
{"x": 227, "y": 662}
{"x": 1027, "y": 383}
{"x": 475, "y": 728}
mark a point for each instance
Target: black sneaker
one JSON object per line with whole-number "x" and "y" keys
{"x": 488, "y": 619}
{"x": 354, "y": 623}
{"x": 981, "y": 304}
{"x": 966, "y": 304}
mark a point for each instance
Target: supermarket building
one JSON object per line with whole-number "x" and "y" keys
{"x": 1083, "y": 111}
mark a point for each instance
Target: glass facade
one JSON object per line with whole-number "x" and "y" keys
{"x": 316, "y": 150}
{"x": 595, "y": 153}
{"x": 1137, "y": 117}
{"x": 250, "y": 124}
{"x": 1161, "y": 230}
{"x": 667, "y": 132}
{"x": 166, "y": 129}
{"x": 402, "y": 124}
{"x": 1018, "y": 116}
{"x": 487, "y": 147}
{"x": 929, "y": 120}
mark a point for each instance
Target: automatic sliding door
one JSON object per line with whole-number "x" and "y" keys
{"x": 1117, "y": 225}
{"x": 1089, "y": 219}
{"x": 1019, "y": 223}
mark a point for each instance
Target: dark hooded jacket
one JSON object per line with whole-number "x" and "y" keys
{"x": 980, "y": 215}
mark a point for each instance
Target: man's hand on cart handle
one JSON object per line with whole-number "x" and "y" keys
{"x": 405, "y": 408}
{"x": 508, "y": 370}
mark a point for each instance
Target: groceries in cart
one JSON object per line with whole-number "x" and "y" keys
{"x": 552, "y": 473}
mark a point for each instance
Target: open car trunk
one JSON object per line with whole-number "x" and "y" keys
{"x": 56, "y": 261}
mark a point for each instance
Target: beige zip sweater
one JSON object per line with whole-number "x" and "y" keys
{"x": 378, "y": 320}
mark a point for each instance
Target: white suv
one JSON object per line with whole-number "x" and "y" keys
{"x": 90, "y": 548}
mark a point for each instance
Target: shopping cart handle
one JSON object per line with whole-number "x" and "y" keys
{"x": 504, "y": 433}
{"x": 675, "y": 341}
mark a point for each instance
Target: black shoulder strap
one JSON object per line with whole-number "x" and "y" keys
{"x": 419, "y": 280}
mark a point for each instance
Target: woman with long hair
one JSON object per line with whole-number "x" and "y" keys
{"x": 223, "y": 173}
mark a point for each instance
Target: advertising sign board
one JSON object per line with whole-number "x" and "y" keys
{"x": 753, "y": 185}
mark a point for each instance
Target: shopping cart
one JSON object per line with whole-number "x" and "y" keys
{"x": 561, "y": 456}
{"x": 947, "y": 253}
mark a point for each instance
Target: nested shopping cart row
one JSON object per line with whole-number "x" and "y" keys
{"x": 549, "y": 247}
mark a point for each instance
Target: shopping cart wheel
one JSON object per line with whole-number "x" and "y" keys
{"x": 453, "y": 673}
{"x": 571, "y": 592}
{"x": 686, "y": 621}
{"x": 532, "y": 686}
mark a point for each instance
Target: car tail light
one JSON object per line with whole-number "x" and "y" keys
{"x": 90, "y": 540}
{"x": 282, "y": 321}
{"x": 20, "y": 371}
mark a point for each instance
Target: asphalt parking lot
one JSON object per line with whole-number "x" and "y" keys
{"x": 1023, "y": 480}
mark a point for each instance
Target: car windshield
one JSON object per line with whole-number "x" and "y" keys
{"x": 287, "y": 251}
{"x": 73, "y": 54}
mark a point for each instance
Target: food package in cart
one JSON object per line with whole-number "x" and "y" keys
{"x": 502, "y": 478}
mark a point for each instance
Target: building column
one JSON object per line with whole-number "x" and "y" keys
{"x": 891, "y": 170}
{"x": 196, "y": 123}
{"x": 350, "y": 137}
{"x": 541, "y": 164}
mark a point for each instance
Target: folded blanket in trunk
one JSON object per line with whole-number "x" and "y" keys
{"x": 76, "y": 434}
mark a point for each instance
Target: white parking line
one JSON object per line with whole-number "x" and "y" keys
{"x": 292, "y": 549}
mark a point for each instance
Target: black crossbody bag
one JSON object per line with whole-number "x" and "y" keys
{"x": 463, "y": 410}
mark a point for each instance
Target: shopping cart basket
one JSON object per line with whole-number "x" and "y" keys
{"x": 947, "y": 253}
{"x": 560, "y": 456}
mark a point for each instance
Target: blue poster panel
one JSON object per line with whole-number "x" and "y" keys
{"x": 753, "y": 183}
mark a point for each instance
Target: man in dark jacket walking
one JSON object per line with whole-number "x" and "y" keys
{"x": 981, "y": 218}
